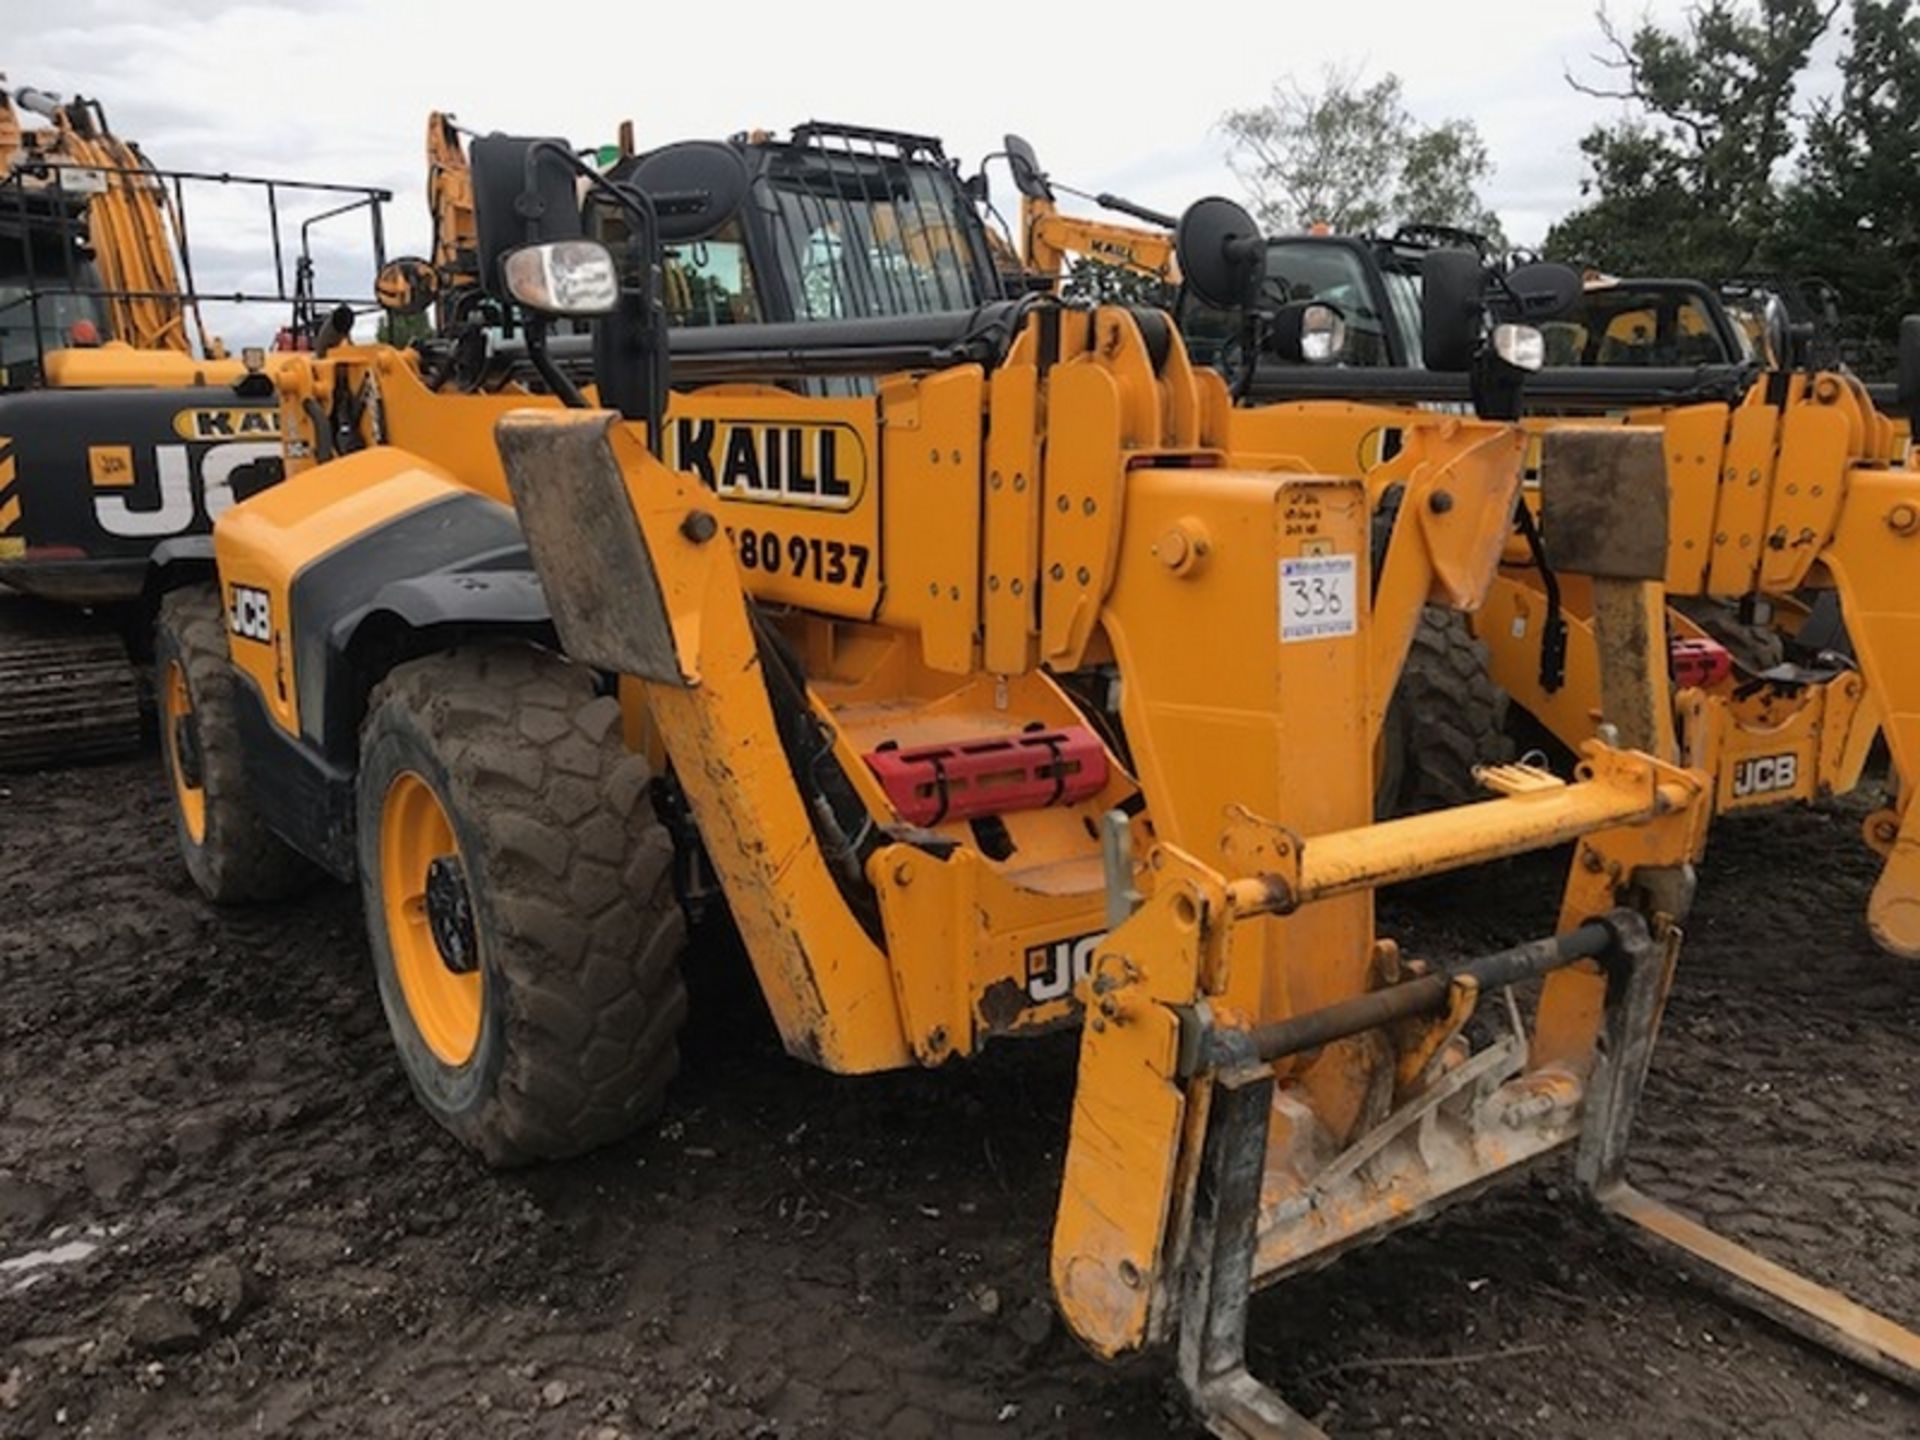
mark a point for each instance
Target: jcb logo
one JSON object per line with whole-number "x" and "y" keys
{"x": 180, "y": 472}
{"x": 230, "y": 423}
{"x": 250, "y": 613}
{"x": 820, "y": 467}
{"x": 1053, "y": 970}
{"x": 1765, "y": 774}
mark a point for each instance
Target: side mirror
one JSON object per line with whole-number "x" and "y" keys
{"x": 1453, "y": 287}
{"x": 1542, "y": 291}
{"x": 406, "y": 286}
{"x": 1307, "y": 332}
{"x": 1909, "y": 372}
{"x": 520, "y": 197}
{"x": 1776, "y": 332}
{"x": 1028, "y": 178}
{"x": 696, "y": 186}
{"x": 1221, "y": 253}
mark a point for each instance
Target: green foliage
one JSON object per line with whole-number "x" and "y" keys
{"x": 404, "y": 329}
{"x": 1350, "y": 156}
{"x": 1852, "y": 215}
{"x": 1717, "y": 172}
{"x": 1688, "y": 182}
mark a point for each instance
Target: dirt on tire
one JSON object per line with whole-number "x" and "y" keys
{"x": 570, "y": 879}
{"x": 240, "y": 1222}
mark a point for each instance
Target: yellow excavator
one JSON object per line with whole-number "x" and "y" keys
{"x": 123, "y": 420}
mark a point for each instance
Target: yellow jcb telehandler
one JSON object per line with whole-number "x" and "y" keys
{"x": 1789, "y": 623}
{"x": 512, "y": 652}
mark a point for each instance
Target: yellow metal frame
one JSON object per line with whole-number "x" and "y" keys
{"x": 1087, "y": 506}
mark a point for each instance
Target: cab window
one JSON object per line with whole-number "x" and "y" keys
{"x": 1333, "y": 275}
{"x": 710, "y": 282}
{"x": 1637, "y": 326}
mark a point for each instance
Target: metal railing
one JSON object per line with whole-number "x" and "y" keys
{"x": 42, "y": 209}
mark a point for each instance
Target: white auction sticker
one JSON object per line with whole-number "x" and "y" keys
{"x": 1319, "y": 597}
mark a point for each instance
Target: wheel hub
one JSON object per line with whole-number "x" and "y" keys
{"x": 450, "y": 915}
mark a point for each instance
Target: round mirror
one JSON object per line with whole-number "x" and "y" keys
{"x": 1221, "y": 253}
{"x": 1544, "y": 291}
{"x": 406, "y": 286}
{"x": 696, "y": 186}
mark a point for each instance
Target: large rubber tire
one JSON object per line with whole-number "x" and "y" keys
{"x": 1446, "y": 717}
{"x": 568, "y": 902}
{"x": 229, "y": 851}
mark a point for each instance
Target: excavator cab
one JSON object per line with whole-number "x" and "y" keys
{"x": 49, "y": 284}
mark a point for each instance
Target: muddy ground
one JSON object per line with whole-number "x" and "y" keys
{"x": 260, "y": 1234}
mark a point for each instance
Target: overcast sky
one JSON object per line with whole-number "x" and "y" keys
{"x": 340, "y": 90}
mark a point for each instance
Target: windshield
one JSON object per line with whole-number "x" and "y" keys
{"x": 49, "y": 297}
{"x": 856, "y": 236}
{"x": 1332, "y": 272}
{"x": 1401, "y": 273}
{"x": 1636, "y": 325}
{"x": 1335, "y": 275}
{"x": 710, "y": 282}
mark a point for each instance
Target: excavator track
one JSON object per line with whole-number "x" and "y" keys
{"x": 69, "y": 692}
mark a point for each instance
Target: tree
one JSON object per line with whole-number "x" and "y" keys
{"x": 1852, "y": 214}
{"x": 1352, "y": 157}
{"x": 404, "y": 329}
{"x": 1688, "y": 182}
{"x": 1716, "y": 173}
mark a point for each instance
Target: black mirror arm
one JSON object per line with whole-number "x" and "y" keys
{"x": 557, "y": 379}
{"x": 638, "y": 320}
{"x": 1253, "y": 343}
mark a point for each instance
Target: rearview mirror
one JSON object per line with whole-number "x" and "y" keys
{"x": 1542, "y": 291}
{"x": 406, "y": 286}
{"x": 696, "y": 186}
{"x": 518, "y": 203}
{"x": 1221, "y": 253}
{"x": 1453, "y": 286}
{"x": 1307, "y": 332}
{"x": 1776, "y": 332}
{"x": 1028, "y": 178}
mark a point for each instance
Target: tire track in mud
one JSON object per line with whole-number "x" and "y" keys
{"x": 285, "y": 1245}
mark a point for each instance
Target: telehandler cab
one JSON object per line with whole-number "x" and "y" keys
{"x": 828, "y": 650}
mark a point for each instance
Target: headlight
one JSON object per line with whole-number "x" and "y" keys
{"x": 1521, "y": 346}
{"x": 1323, "y": 335}
{"x": 565, "y": 277}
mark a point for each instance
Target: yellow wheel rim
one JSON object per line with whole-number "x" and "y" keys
{"x": 183, "y": 757}
{"x": 433, "y": 951}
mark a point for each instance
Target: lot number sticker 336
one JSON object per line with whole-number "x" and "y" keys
{"x": 1319, "y": 597}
